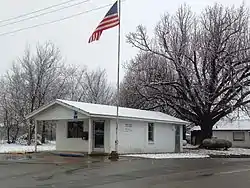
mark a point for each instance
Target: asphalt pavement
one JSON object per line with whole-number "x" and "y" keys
{"x": 128, "y": 172}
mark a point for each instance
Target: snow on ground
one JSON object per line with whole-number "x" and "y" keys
{"x": 169, "y": 156}
{"x": 189, "y": 146}
{"x": 193, "y": 153}
{"x": 16, "y": 148}
{"x": 231, "y": 151}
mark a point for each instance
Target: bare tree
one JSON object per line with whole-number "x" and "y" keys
{"x": 209, "y": 59}
{"x": 40, "y": 77}
{"x": 12, "y": 106}
{"x": 89, "y": 86}
{"x": 98, "y": 90}
{"x": 75, "y": 83}
{"x": 43, "y": 75}
{"x": 144, "y": 68}
{"x": 34, "y": 80}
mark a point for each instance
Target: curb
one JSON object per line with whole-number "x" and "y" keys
{"x": 16, "y": 153}
{"x": 70, "y": 155}
{"x": 30, "y": 162}
{"x": 229, "y": 156}
{"x": 19, "y": 153}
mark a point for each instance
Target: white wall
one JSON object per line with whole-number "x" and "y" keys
{"x": 77, "y": 144}
{"x": 70, "y": 144}
{"x": 107, "y": 136}
{"x": 135, "y": 139}
{"x": 228, "y": 135}
{"x": 58, "y": 112}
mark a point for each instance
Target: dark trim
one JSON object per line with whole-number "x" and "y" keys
{"x": 233, "y": 130}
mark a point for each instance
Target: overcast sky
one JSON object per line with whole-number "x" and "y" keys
{"x": 71, "y": 36}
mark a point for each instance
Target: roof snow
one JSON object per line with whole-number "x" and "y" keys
{"x": 227, "y": 125}
{"x": 110, "y": 111}
{"x": 195, "y": 128}
{"x": 241, "y": 124}
{"x": 237, "y": 120}
{"x": 98, "y": 110}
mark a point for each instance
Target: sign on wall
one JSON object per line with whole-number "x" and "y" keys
{"x": 75, "y": 115}
{"x": 128, "y": 128}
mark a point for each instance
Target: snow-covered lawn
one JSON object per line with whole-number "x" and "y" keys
{"x": 170, "y": 156}
{"x": 189, "y": 146}
{"x": 16, "y": 148}
{"x": 194, "y": 154}
{"x": 231, "y": 151}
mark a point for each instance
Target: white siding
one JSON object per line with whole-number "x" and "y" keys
{"x": 77, "y": 144}
{"x": 135, "y": 139}
{"x": 107, "y": 136}
{"x": 228, "y": 135}
{"x": 57, "y": 112}
{"x": 69, "y": 144}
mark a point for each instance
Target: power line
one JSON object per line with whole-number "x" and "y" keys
{"x": 45, "y": 13}
{"x": 55, "y": 21}
{"x": 36, "y": 11}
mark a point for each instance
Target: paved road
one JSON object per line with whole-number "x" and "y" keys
{"x": 145, "y": 173}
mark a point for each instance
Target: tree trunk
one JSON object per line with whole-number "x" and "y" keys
{"x": 206, "y": 132}
{"x": 8, "y": 134}
{"x": 184, "y": 132}
{"x": 29, "y": 133}
{"x": 32, "y": 131}
{"x": 16, "y": 134}
{"x": 51, "y": 133}
{"x": 43, "y": 133}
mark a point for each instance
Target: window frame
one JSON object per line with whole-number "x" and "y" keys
{"x": 151, "y": 138}
{"x": 79, "y": 129}
{"x": 238, "y": 139}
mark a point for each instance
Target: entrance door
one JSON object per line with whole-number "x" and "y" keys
{"x": 99, "y": 134}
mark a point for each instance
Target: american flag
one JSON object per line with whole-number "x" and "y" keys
{"x": 110, "y": 20}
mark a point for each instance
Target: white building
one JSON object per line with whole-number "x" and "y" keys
{"x": 84, "y": 127}
{"x": 237, "y": 131}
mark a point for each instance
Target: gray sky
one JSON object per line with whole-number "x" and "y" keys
{"x": 71, "y": 36}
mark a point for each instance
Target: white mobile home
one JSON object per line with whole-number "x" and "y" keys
{"x": 84, "y": 127}
{"x": 237, "y": 131}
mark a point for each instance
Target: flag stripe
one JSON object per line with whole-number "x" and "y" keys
{"x": 108, "y": 26}
{"x": 103, "y": 25}
{"x": 110, "y": 20}
{"x": 110, "y": 17}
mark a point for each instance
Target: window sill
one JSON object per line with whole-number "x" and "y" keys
{"x": 151, "y": 142}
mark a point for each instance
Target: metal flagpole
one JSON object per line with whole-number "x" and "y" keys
{"x": 118, "y": 76}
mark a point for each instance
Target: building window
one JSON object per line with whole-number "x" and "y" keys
{"x": 150, "y": 132}
{"x": 75, "y": 129}
{"x": 239, "y": 136}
